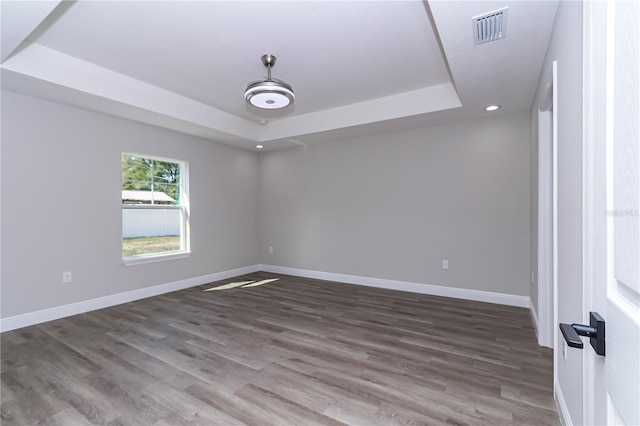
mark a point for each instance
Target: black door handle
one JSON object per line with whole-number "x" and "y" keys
{"x": 595, "y": 332}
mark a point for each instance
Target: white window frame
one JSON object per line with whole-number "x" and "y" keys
{"x": 185, "y": 240}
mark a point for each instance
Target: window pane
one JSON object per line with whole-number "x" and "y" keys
{"x": 151, "y": 230}
{"x": 136, "y": 173}
{"x": 148, "y": 181}
{"x": 166, "y": 193}
{"x": 167, "y": 178}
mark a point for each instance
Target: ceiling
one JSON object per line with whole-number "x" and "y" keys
{"x": 357, "y": 67}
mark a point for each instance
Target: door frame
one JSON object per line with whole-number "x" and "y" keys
{"x": 547, "y": 213}
{"x": 594, "y": 120}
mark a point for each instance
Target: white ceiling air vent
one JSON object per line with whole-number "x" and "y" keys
{"x": 490, "y": 26}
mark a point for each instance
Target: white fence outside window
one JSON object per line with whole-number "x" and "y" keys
{"x": 157, "y": 222}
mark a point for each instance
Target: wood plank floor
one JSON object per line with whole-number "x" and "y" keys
{"x": 292, "y": 352}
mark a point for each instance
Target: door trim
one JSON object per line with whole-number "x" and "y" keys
{"x": 546, "y": 202}
{"x": 593, "y": 174}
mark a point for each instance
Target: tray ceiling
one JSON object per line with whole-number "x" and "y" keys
{"x": 354, "y": 65}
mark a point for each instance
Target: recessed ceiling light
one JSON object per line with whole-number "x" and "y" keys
{"x": 492, "y": 108}
{"x": 259, "y": 146}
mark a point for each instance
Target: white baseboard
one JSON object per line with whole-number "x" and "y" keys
{"x": 50, "y": 314}
{"x": 565, "y": 417}
{"x": 543, "y": 337}
{"x": 434, "y": 290}
{"x": 534, "y": 319}
{"x": 32, "y": 318}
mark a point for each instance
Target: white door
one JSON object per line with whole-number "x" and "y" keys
{"x": 612, "y": 204}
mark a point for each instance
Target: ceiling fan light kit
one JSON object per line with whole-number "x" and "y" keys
{"x": 269, "y": 93}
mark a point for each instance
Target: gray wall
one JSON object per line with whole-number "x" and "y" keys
{"x": 390, "y": 206}
{"x": 393, "y": 206}
{"x": 566, "y": 47}
{"x": 61, "y": 207}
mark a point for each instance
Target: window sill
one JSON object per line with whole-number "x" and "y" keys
{"x": 156, "y": 257}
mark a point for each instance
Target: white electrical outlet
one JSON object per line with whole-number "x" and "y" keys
{"x": 564, "y": 349}
{"x": 445, "y": 264}
{"x": 270, "y": 249}
{"x": 66, "y": 277}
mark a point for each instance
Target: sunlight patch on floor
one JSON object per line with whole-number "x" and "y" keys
{"x": 243, "y": 284}
{"x": 230, "y": 285}
{"x": 257, "y": 283}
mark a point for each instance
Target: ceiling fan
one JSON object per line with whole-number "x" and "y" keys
{"x": 269, "y": 93}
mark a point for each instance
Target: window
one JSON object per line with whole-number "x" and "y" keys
{"x": 155, "y": 209}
